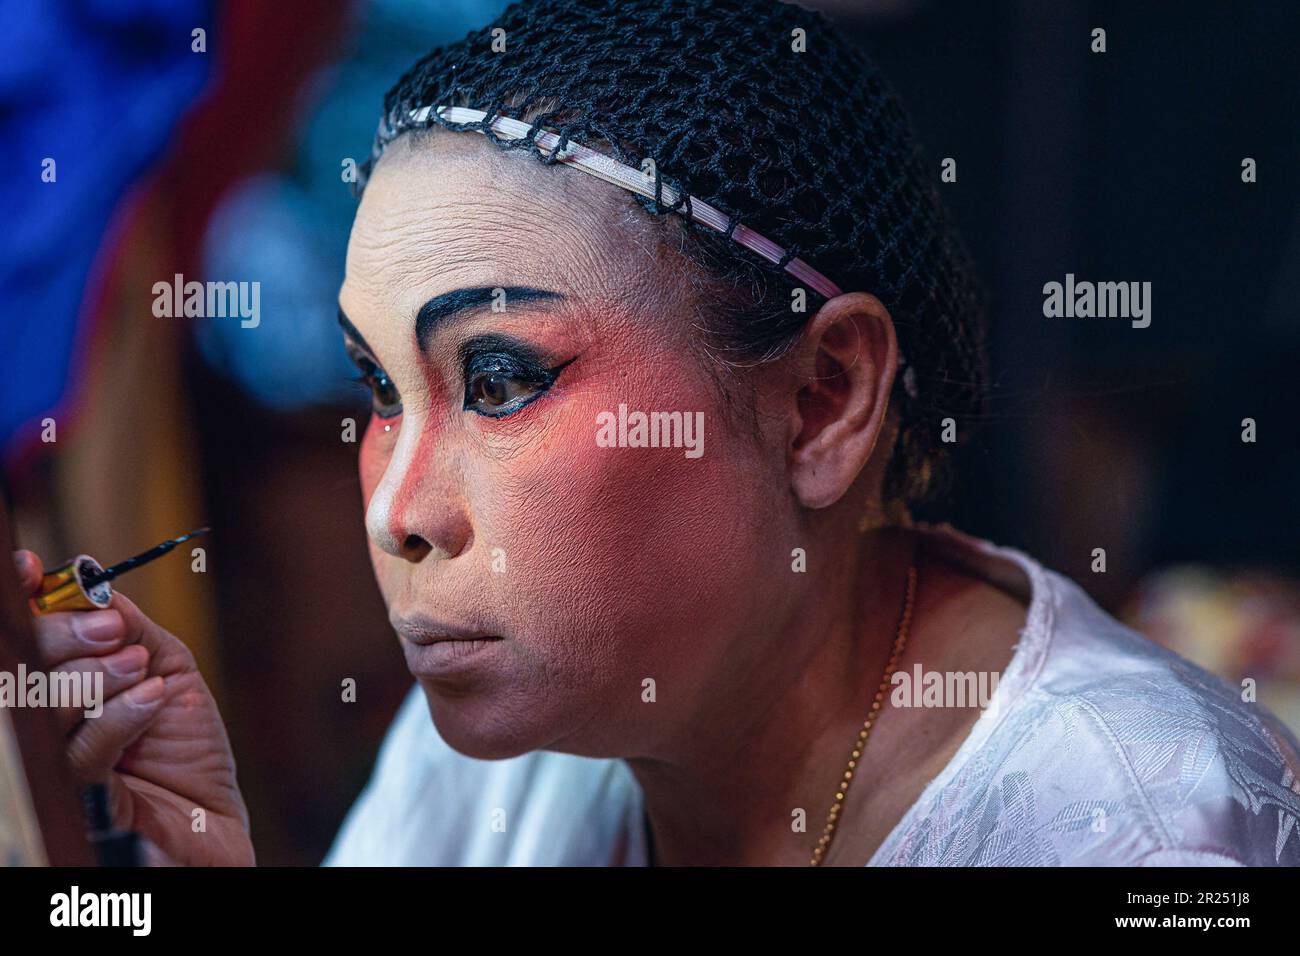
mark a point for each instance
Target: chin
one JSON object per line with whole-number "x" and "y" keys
{"x": 481, "y": 725}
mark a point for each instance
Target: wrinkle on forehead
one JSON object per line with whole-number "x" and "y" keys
{"x": 450, "y": 209}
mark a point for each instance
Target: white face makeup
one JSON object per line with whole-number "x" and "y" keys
{"x": 573, "y": 572}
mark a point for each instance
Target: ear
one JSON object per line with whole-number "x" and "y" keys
{"x": 845, "y": 365}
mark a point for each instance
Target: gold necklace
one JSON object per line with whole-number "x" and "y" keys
{"x": 824, "y": 843}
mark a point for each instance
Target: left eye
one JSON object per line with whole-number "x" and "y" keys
{"x": 502, "y": 377}
{"x": 496, "y": 391}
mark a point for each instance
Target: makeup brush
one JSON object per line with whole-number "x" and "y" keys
{"x": 82, "y": 583}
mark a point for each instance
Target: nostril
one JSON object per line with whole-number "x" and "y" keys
{"x": 415, "y": 548}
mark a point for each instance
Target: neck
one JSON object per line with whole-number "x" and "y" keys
{"x": 777, "y": 728}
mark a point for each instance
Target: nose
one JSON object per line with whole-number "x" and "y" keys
{"x": 417, "y": 510}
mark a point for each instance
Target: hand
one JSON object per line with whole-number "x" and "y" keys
{"x": 159, "y": 743}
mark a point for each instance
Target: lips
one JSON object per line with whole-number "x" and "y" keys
{"x": 446, "y": 653}
{"x": 425, "y": 631}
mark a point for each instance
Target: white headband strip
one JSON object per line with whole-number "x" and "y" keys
{"x": 612, "y": 171}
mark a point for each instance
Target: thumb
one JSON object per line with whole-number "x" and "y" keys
{"x": 30, "y": 572}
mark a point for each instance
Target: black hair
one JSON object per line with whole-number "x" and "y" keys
{"x": 764, "y": 111}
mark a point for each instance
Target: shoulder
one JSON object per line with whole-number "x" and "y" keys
{"x": 429, "y": 805}
{"x": 1113, "y": 751}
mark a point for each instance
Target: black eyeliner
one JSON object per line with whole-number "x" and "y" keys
{"x": 495, "y": 353}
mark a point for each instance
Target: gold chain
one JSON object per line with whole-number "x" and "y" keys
{"x": 824, "y": 843}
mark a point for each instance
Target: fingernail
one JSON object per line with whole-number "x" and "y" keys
{"x": 20, "y": 562}
{"x": 146, "y": 694}
{"x": 126, "y": 663}
{"x": 98, "y": 627}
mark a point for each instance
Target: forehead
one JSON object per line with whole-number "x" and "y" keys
{"x": 449, "y": 210}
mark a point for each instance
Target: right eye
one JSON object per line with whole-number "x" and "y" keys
{"x": 385, "y": 399}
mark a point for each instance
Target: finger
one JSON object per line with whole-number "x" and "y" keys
{"x": 66, "y": 635}
{"x": 30, "y": 572}
{"x": 104, "y": 678}
{"x": 167, "y": 652}
{"x": 95, "y": 748}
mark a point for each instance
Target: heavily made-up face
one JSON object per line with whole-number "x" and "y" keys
{"x": 548, "y": 570}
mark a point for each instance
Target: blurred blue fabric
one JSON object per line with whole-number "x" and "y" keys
{"x": 289, "y": 231}
{"x": 98, "y": 87}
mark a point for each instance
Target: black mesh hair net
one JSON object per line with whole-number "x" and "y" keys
{"x": 810, "y": 149}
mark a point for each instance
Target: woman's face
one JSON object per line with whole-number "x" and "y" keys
{"x": 494, "y": 503}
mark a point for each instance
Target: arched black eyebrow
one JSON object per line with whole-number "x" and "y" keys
{"x": 442, "y": 308}
{"x": 459, "y": 301}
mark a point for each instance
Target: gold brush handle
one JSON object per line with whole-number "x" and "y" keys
{"x": 63, "y": 588}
